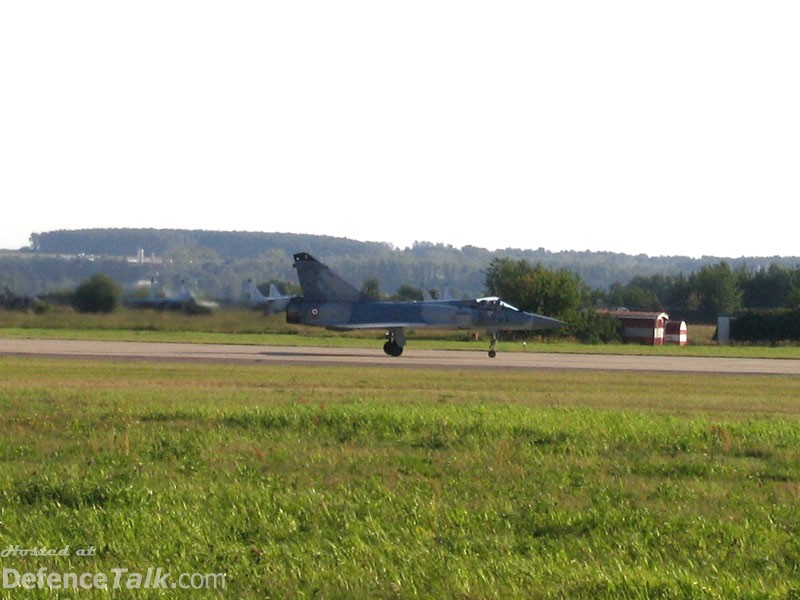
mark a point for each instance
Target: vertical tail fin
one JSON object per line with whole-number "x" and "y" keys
{"x": 250, "y": 292}
{"x": 319, "y": 283}
{"x": 184, "y": 294}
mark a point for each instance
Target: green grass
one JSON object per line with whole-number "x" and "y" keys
{"x": 236, "y": 326}
{"x": 345, "y": 482}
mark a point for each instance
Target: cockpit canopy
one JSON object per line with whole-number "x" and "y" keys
{"x": 497, "y": 300}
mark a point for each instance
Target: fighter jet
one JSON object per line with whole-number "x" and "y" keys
{"x": 184, "y": 301}
{"x": 12, "y": 301}
{"x": 330, "y": 301}
{"x": 274, "y": 303}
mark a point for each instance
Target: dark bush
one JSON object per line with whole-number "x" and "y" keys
{"x": 591, "y": 327}
{"x": 767, "y": 326}
{"x": 99, "y": 294}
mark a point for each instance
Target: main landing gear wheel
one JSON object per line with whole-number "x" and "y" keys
{"x": 395, "y": 340}
{"x": 392, "y": 349}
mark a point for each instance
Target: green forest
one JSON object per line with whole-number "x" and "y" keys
{"x": 214, "y": 264}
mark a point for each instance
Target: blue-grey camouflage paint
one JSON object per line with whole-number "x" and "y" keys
{"x": 329, "y": 301}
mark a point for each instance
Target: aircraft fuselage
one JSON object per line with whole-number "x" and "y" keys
{"x": 330, "y": 301}
{"x": 455, "y": 314}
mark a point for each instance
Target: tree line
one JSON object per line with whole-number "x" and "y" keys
{"x": 705, "y": 294}
{"x": 219, "y": 260}
{"x": 767, "y": 301}
{"x": 214, "y": 264}
{"x": 711, "y": 291}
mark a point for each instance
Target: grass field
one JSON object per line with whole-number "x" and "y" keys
{"x": 236, "y": 326}
{"x": 348, "y": 483}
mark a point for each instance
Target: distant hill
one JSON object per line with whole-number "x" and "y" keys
{"x": 216, "y": 262}
{"x": 228, "y": 245}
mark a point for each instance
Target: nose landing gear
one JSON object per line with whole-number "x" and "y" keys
{"x": 494, "y": 336}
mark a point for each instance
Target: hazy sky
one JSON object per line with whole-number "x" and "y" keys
{"x": 639, "y": 127}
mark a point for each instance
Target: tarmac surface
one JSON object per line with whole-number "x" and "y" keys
{"x": 246, "y": 354}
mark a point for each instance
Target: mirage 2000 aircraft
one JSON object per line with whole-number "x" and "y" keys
{"x": 329, "y": 301}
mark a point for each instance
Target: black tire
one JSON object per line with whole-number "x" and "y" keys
{"x": 392, "y": 349}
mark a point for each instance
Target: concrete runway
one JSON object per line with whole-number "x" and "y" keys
{"x": 223, "y": 353}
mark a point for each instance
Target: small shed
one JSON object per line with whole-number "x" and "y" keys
{"x": 676, "y": 332}
{"x": 641, "y": 327}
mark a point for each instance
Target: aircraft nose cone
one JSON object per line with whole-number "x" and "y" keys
{"x": 541, "y": 322}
